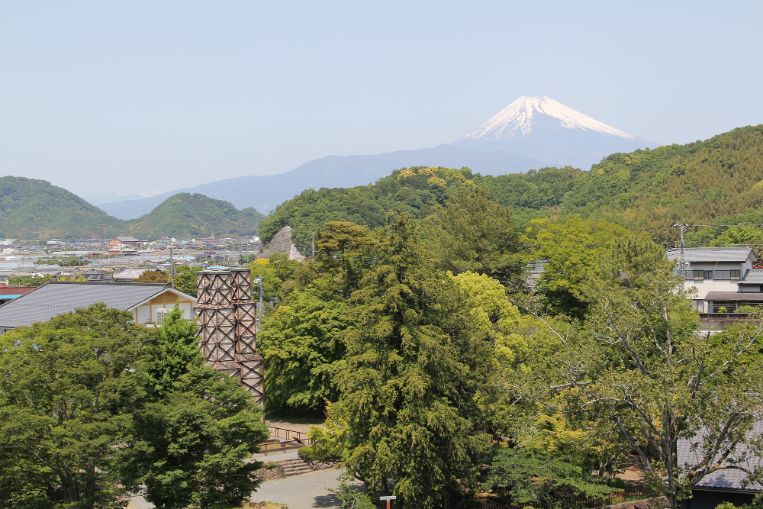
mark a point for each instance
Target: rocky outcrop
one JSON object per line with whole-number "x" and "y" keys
{"x": 282, "y": 242}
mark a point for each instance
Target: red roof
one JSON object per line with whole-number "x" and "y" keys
{"x": 15, "y": 290}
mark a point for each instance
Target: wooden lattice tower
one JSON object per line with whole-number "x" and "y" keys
{"x": 227, "y": 320}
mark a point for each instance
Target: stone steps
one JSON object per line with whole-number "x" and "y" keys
{"x": 294, "y": 467}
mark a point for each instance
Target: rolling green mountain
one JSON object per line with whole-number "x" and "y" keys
{"x": 716, "y": 181}
{"x": 188, "y": 215}
{"x": 36, "y": 209}
{"x": 415, "y": 191}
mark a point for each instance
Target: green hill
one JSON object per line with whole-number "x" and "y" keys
{"x": 716, "y": 181}
{"x": 36, "y": 209}
{"x": 187, "y": 215}
{"x": 416, "y": 191}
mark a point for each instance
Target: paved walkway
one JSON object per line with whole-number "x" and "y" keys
{"x": 272, "y": 457}
{"x": 305, "y": 491}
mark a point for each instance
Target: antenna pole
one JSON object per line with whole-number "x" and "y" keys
{"x": 172, "y": 266}
{"x": 682, "y": 269}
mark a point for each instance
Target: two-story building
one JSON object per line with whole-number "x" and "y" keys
{"x": 124, "y": 245}
{"x": 720, "y": 279}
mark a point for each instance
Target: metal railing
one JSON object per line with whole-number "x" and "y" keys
{"x": 280, "y": 439}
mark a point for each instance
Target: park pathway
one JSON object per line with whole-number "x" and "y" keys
{"x": 304, "y": 491}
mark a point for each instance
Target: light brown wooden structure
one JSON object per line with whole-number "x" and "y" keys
{"x": 227, "y": 319}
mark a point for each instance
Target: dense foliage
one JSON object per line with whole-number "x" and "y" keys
{"x": 186, "y": 216}
{"x": 63, "y": 261}
{"x": 414, "y": 191}
{"x": 35, "y": 209}
{"x": 31, "y": 281}
{"x": 717, "y": 181}
{"x": 91, "y": 407}
{"x": 436, "y": 357}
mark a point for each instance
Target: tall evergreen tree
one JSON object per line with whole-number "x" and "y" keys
{"x": 474, "y": 233}
{"x": 407, "y": 411}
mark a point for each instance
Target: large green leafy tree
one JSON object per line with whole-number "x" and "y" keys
{"x": 571, "y": 250}
{"x": 301, "y": 344}
{"x": 67, "y": 388}
{"x": 279, "y": 275}
{"x": 407, "y": 414}
{"x": 191, "y": 444}
{"x": 341, "y": 249}
{"x": 185, "y": 279}
{"x": 91, "y": 406}
{"x": 473, "y": 233}
{"x": 641, "y": 365}
{"x": 523, "y": 478}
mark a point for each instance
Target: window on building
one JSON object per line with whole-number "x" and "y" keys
{"x": 734, "y": 274}
{"x": 708, "y": 274}
{"x": 161, "y": 314}
{"x": 724, "y": 307}
{"x": 699, "y": 275}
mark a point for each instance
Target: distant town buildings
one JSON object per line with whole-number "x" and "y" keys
{"x": 124, "y": 245}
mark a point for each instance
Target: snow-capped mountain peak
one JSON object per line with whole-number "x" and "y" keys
{"x": 519, "y": 119}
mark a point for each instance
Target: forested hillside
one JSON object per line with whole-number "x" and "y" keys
{"x": 188, "y": 215}
{"x": 36, "y": 209}
{"x": 717, "y": 181}
{"x": 706, "y": 182}
{"x": 414, "y": 191}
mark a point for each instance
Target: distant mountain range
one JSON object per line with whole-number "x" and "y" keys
{"x": 531, "y": 132}
{"x": 36, "y": 209}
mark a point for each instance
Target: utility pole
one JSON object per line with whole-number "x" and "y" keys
{"x": 682, "y": 247}
{"x": 260, "y": 303}
{"x": 172, "y": 265}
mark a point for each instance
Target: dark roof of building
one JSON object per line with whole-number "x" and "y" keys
{"x": 725, "y": 479}
{"x": 753, "y": 277}
{"x": 56, "y": 298}
{"x": 735, "y": 296}
{"x": 713, "y": 254}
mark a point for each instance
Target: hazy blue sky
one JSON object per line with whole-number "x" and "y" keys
{"x": 134, "y": 96}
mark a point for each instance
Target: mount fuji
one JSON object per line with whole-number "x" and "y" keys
{"x": 542, "y": 128}
{"x": 531, "y": 132}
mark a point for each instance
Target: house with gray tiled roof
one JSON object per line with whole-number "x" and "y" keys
{"x": 149, "y": 303}
{"x": 720, "y": 279}
{"x": 737, "y": 483}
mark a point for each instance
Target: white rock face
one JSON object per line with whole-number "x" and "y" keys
{"x": 519, "y": 119}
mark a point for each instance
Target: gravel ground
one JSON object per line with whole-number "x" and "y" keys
{"x": 303, "y": 491}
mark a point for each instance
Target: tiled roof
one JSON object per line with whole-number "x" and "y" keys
{"x": 713, "y": 254}
{"x": 57, "y": 298}
{"x": 725, "y": 479}
{"x": 754, "y": 277}
{"x": 734, "y": 296}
